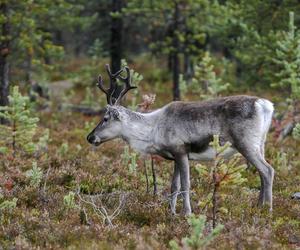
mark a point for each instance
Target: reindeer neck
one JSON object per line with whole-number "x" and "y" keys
{"x": 138, "y": 129}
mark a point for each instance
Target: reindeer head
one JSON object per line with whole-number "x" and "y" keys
{"x": 111, "y": 124}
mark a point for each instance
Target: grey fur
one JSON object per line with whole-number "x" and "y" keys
{"x": 181, "y": 131}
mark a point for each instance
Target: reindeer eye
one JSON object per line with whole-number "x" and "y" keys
{"x": 105, "y": 119}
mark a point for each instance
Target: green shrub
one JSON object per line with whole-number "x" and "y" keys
{"x": 9, "y": 205}
{"x": 69, "y": 201}
{"x": 197, "y": 238}
{"x": 296, "y": 132}
{"x": 63, "y": 149}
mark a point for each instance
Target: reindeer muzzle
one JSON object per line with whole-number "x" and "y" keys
{"x": 94, "y": 140}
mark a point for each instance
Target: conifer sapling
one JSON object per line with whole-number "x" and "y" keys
{"x": 18, "y": 133}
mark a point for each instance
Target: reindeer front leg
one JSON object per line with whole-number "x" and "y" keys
{"x": 184, "y": 169}
{"x": 175, "y": 187}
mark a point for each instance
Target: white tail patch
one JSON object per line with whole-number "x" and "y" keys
{"x": 266, "y": 108}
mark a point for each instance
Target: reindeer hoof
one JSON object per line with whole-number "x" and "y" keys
{"x": 296, "y": 196}
{"x": 187, "y": 212}
{"x": 173, "y": 212}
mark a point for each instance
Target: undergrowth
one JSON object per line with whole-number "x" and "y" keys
{"x": 71, "y": 195}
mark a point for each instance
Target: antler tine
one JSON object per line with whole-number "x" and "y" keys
{"x": 103, "y": 89}
{"x": 127, "y": 81}
{"x": 113, "y": 83}
{"x": 100, "y": 84}
{"x": 112, "y": 86}
{"x": 115, "y": 75}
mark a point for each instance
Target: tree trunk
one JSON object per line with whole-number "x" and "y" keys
{"x": 116, "y": 37}
{"x": 215, "y": 197}
{"x": 188, "y": 67}
{"x": 28, "y": 74}
{"x": 4, "y": 65}
{"x": 176, "y": 90}
{"x": 176, "y": 69}
{"x": 170, "y": 62}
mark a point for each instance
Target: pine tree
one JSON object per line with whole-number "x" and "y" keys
{"x": 248, "y": 31}
{"x": 18, "y": 133}
{"x": 223, "y": 175}
{"x": 288, "y": 59}
{"x": 205, "y": 80}
{"x": 177, "y": 29}
{"x": 27, "y": 36}
{"x": 35, "y": 175}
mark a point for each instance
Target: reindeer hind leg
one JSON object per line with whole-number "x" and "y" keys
{"x": 254, "y": 155}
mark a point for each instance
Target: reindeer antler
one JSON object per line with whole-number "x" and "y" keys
{"x": 127, "y": 81}
{"x": 112, "y": 86}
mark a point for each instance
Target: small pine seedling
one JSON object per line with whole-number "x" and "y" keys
{"x": 63, "y": 149}
{"x": 35, "y": 175}
{"x": 89, "y": 98}
{"x": 136, "y": 78}
{"x": 21, "y": 125}
{"x": 223, "y": 175}
{"x": 69, "y": 201}
{"x": 129, "y": 159}
{"x": 133, "y": 163}
{"x": 197, "y": 238}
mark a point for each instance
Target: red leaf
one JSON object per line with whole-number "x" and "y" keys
{"x": 9, "y": 185}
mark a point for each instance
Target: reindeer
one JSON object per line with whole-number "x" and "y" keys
{"x": 181, "y": 131}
